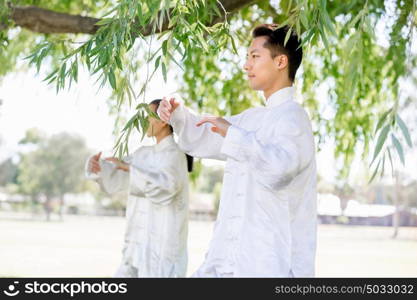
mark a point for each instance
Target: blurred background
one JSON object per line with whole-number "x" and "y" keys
{"x": 359, "y": 74}
{"x": 54, "y": 223}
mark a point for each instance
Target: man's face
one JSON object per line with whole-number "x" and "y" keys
{"x": 155, "y": 125}
{"x": 262, "y": 69}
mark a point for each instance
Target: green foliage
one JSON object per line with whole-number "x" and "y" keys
{"x": 343, "y": 61}
{"x": 217, "y": 84}
{"x": 33, "y": 136}
{"x": 362, "y": 79}
{"x": 121, "y": 26}
{"x": 17, "y": 43}
{"x": 4, "y": 21}
{"x": 140, "y": 122}
{"x": 8, "y": 172}
{"x": 355, "y": 54}
{"x": 55, "y": 168}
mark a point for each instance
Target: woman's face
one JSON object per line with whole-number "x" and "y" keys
{"x": 155, "y": 125}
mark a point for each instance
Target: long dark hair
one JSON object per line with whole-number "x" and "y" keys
{"x": 190, "y": 159}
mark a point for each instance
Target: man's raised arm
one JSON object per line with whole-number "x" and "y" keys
{"x": 197, "y": 141}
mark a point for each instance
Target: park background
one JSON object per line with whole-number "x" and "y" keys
{"x": 54, "y": 223}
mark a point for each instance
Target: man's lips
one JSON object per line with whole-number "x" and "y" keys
{"x": 251, "y": 76}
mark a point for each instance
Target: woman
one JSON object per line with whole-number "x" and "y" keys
{"x": 157, "y": 209}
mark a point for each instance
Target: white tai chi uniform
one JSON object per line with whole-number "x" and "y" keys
{"x": 267, "y": 220}
{"x": 156, "y": 211}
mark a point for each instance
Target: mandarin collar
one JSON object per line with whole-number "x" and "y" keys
{"x": 280, "y": 96}
{"x": 165, "y": 142}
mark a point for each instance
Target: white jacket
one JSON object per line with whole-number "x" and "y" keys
{"x": 267, "y": 220}
{"x": 156, "y": 211}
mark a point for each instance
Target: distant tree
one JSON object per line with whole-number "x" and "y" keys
{"x": 54, "y": 169}
{"x": 8, "y": 172}
{"x": 32, "y": 136}
{"x": 345, "y": 192}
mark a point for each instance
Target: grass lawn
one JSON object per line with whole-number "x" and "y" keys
{"x": 91, "y": 247}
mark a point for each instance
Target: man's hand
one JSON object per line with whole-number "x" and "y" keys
{"x": 166, "y": 108}
{"x": 93, "y": 164}
{"x": 119, "y": 164}
{"x": 220, "y": 125}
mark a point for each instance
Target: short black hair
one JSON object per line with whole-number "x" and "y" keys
{"x": 275, "y": 43}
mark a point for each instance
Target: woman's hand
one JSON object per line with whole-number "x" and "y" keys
{"x": 93, "y": 164}
{"x": 119, "y": 164}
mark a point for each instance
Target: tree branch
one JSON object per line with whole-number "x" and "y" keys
{"x": 47, "y": 21}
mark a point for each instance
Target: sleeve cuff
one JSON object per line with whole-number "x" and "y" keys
{"x": 234, "y": 143}
{"x": 137, "y": 182}
{"x": 88, "y": 174}
{"x": 177, "y": 116}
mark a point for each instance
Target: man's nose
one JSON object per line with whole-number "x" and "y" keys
{"x": 246, "y": 66}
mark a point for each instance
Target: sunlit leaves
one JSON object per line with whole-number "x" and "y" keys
{"x": 404, "y": 130}
{"x": 184, "y": 26}
{"x": 348, "y": 79}
{"x": 140, "y": 122}
{"x": 4, "y": 23}
{"x": 389, "y": 124}
{"x": 361, "y": 81}
{"x": 381, "y": 141}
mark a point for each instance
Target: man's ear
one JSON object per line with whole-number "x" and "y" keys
{"x": 281, "y": 61}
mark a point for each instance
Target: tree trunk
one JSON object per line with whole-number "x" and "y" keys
{"x": 48, "y": 208}
{"x": 34, "y": 201}
{"x": 61, "y": 208}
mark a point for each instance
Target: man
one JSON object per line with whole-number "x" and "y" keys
{"x": 266, "y": 225}
{"x": 157, "y": 209}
